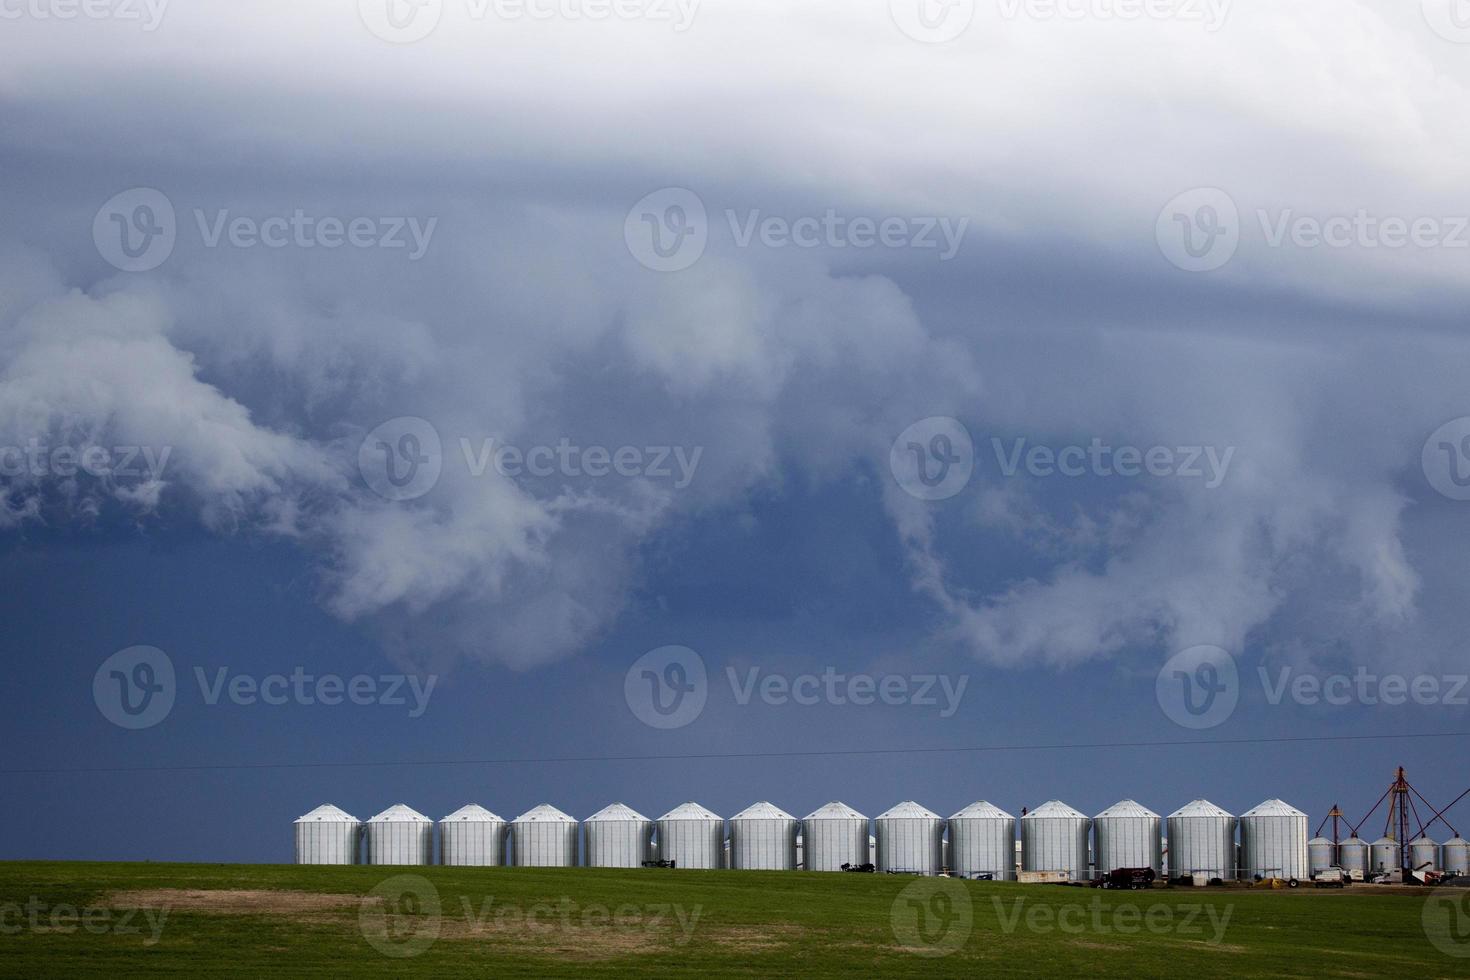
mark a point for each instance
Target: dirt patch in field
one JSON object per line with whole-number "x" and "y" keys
{"x": 232, "y": 902}
{"x": 605, "y": 941}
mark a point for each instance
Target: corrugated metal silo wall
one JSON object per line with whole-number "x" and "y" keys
{"x": 1274, "y": 846}
{"x": 1055, "y": 844}
{"x": 1202, "y": 845}
{"x": 544, "y": 844}
{"x": 1127, "y": 842}
{"x": 472, "y": 843}
{"x": 983, "y": 845}
{"x": 763, "y": 844}
{"x": 617, "y": 843}
{"x": 692, "y": 843}
{"x": 327, "y": 842}
{"x": 910, "y": 844}
{"x": 828, "y": 844}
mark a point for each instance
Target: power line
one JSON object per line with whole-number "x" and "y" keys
{"x": 695, "y": 756}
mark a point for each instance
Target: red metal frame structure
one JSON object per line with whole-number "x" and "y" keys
{"x": 1400, "y": 796}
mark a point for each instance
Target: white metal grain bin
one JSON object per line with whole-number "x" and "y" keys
{"x": 1424, "y": 851}
{"x": 1319, "y": 855}
{"x": 472, "y": 837}
{"x": 834, "y": 835}
{"x": 1202, "y": 841}
{"x": 1384, "y": 855}
{"x": 327, "y": 835}
{"x": 544, "y": 837}
{"x": 1273, "y": 841}
{"x": 1455, "y": 854}
{"x": 763, "y": 838}
{"x": 1126, "y": 835}
{"x": 617, "y": 836}
{"x": 1352, "y": 857}
{"x": 1054, "y": 838}
{"x": 691, "y": 837}
{"x": 400, "y": 835}
{"x": 982, "y": 841}
{"x": 910, "y": 839}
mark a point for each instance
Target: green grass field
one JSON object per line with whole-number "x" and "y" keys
{"x": 83, "y": 919}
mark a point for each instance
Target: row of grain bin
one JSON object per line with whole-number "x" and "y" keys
{"x": 1358, "y": 858}
{"x": 908, "y": 839}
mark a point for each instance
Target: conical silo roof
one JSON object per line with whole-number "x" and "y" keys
{"x": 1055, "y": 809}
{"x": 473, "y": 813}
{"x": 836, "y": 810}
{"x": 763, "y": 811}
{"x": 908, "y": 810}
{"x": 618, "y": 812}
{"x": 983, "y": 810}
{"x": 545, "y": 813}
{"x": 1128, "y": 808}
{"x": 1423, "y": 840}
{"x": 400, "y": 813}
{"x": 690, "y": 811}
{"x": 1200, "y": 808}
{"x": 1319, "y": 841}
{"x": 1273, "y": 808}
{"x": 326, "y": 813}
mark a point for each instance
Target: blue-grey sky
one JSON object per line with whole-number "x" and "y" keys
{"x": 1009, "y": 357}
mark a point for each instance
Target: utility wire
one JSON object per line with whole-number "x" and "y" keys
{"x": 693, "y": 756}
